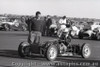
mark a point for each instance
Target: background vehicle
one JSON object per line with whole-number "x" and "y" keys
{"x": 93, "y": 32}
{"x": 14, "y": 24}
{"x": 96, "y": 34}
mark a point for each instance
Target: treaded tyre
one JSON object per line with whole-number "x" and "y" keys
{"x": 85, "y": 50}
{"x": 51, "y": 53}
{"x": 93, "y": 37}
{"x": 80, "y": 35}
{"x": 24, "y": 49}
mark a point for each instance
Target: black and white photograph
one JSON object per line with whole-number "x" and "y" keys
{"x": 49, "y": 33}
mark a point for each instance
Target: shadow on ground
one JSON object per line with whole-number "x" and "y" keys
{"x": 14, "y": 54}
{"x": 60, "y": 60}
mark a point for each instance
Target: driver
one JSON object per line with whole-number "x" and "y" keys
{"x": 65, "y": 40}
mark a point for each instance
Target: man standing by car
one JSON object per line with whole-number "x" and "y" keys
{"x": 36, "y": 26}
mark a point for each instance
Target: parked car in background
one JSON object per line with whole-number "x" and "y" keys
{"x": 14, "y": 24}
{"x": 91, "y": 31}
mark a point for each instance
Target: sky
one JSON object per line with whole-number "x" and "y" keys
{"x": 70, "y": 8}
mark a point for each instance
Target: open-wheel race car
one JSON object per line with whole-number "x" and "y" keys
{"x": 53, "y": 48}
{"x": 93, "y": 32}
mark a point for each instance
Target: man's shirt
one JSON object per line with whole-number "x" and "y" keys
{"x": 37, "y": 24}
{"x": 62, "y": 21}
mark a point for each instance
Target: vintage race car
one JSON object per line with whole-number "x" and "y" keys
{"x": 93, "y": 32}
{"x": 53, "y": 48}
{"x": 13, "y": 25}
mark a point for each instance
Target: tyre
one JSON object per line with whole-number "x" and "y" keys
{"x": 80, "y": 35}
{"x": 6, "y": 27}
{"x": 98, "y": 36}
{"x": 93, "y": 37}
{"x": 86, "y": 50}
{"x": 24, "y": 49}
{"x": 51, "y": 53}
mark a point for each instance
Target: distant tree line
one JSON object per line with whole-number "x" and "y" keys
{"x": 25, "y": 17}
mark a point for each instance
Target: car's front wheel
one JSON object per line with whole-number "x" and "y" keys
{"x": 51, "y": 53}
{"x": 86, "y": 50}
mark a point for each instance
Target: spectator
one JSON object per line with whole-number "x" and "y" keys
{"x": 48, "y": 23}
{"x": 53, "y": 28}
{"x": 44, "y": 27}
{"x": 68, "y": 23}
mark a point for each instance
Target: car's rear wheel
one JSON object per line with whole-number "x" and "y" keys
{"x": 86, "y": 50}
{"x": 24, "y": 49}
{"x": 51, "y": 53}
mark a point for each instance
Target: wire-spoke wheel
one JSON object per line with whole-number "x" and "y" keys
{"x": 86, "y": 51}
{"x": 51, "y": 53}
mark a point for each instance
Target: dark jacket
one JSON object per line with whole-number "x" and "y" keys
{"x": 48, "y": 22}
